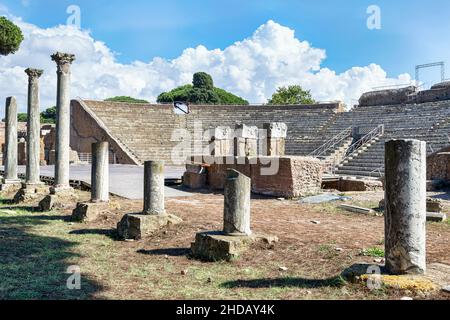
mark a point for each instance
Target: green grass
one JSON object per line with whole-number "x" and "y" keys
{"x": 373, "y": 252}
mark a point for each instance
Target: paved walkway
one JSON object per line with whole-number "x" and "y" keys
{"x": 124, "y": 180}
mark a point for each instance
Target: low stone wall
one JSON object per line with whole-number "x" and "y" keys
{"x": 386, "y": 97}
{"x": 438, "y": 165}
{"x": 347, "y": 185}
{"x": 295, "y": 177}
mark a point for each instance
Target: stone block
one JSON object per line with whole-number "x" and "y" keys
{"x": 59, "y": 199}
{"x": 434, "y": 205}
{"x": 138, "y": 226}
{"x": 246, "y": 132}
{"x": 346, "y": 185}
{"x": 276, "y": 130}
{"x": 10, "y": 186}
{"x": 194, "y": 181}
{"x": 215, "y": 245}
{"x": 89, "y": 211}
{"x": 31, "y": 192}
{"x": 436, "y": 217}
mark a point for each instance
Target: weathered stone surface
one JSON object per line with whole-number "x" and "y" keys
{"x": 438, "y": 165}
{"x": 405, "y": 213}
{"x": 63, "y": 61}
{"x": 386, "y": 97}
{"x": 154, "y": 188}
{"x": 59, "y": 199}
{"x": 346, "y": 185}
{"x": 89, "y": 211}
{"x": 194, "y": 180}
{"x": 434, "y": 205}
{"x": 10, "y": 186}
{"x": 138, "y": 226}
{"x": 11, "y": 142}
{"x": 215, "y": 245}
{"x": 236, "y": 213}
{"x": 436, "y": 216}
{"x": 33, "y": 128}
{"x": 288, "y": 177}
{"x": 276, "y": 130}
{"x": 356, "y": 209}
{"x": 295, "y": 177}
{"x": 100, "y": 172}
{"x": 30, "y": 192}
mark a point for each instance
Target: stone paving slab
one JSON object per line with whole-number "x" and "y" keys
{"x": 124, "y": 180}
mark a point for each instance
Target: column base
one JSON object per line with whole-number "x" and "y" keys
{"x": 89, "y": 211}
{"x": 138, "y": 226}
{"x": 216, "y": 245}
{"x": 59, "y": 198}
{"x": 30, "y": 192}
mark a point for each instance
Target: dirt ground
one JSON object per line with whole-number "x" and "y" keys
{"x": 306, "y": 263}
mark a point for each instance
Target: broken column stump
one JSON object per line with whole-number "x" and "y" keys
{"x": 99, "y": 203}
{"x": 405, "y": 213}
{"x": 154, "y": 216}
{"x": 236, "y": 236}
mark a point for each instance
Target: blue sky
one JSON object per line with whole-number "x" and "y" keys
{"x": 141, "y": 48}
{"x": 412, "y": 31}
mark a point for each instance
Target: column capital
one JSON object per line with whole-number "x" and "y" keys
{"x": 63, "y": 60}
{"x": 34, "y": 73}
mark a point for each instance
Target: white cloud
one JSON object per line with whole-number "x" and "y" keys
{"x": 252, "y": 68}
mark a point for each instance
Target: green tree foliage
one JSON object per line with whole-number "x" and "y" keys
{"x": 291, "y": 95}
{"x": 22, "y": 117}
{"x": 126, "y": 99}
{"x": 10, "y": 37}
{"x": 47, "y": 116}
{"x": 201, "y": 91}
{"x": 202, "y": 80}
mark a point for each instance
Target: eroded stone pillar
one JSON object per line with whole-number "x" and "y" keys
{"x": 154, "y": 188}
{"x": 405, "y": 213}
{"x": 245, "y": 141}
{"x": 33, "y": 128}
{"x": 236, "y": 214}
{"x": 63, "y": 62}
{"x": 275, "y": 136}
{"x": 10, "y": 177}
{"x": 100, "y": 172}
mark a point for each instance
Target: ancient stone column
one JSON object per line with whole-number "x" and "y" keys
{"x": 100, "y": 172}
{"x": 236, "y": 214}
{"x": 11, "y": 142}
{"x": 33, "y": 128}
{"x": 245, "y": 141}
{"x": 63, "y": 61}
{"x": 154, "y": 188}
{"x": 276, "y": 133}
{"x": 405, "y": 201}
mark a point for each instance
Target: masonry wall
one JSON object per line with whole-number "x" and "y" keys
{"x": 139, "y": 132}
{"x": 438, "y": 165}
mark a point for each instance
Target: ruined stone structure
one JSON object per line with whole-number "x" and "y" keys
{"x": 10, "y": 180}
{"x": 131, "y": 129}
{"x": 154, "y": 216}
{"x": 140, "y": 132}
{"x": 236, "y": 235}
{"x": 438, "y": 166}
{"x": 90, "y": 211}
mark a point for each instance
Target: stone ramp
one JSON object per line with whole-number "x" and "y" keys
{"x": 126, "y": 181}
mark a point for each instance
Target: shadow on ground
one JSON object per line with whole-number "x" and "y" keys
{"x": 34, "y": 267}
{"x": 173, "y": 252}
{"x": 111, "y": 233}
{"x": 285, "y": 283}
